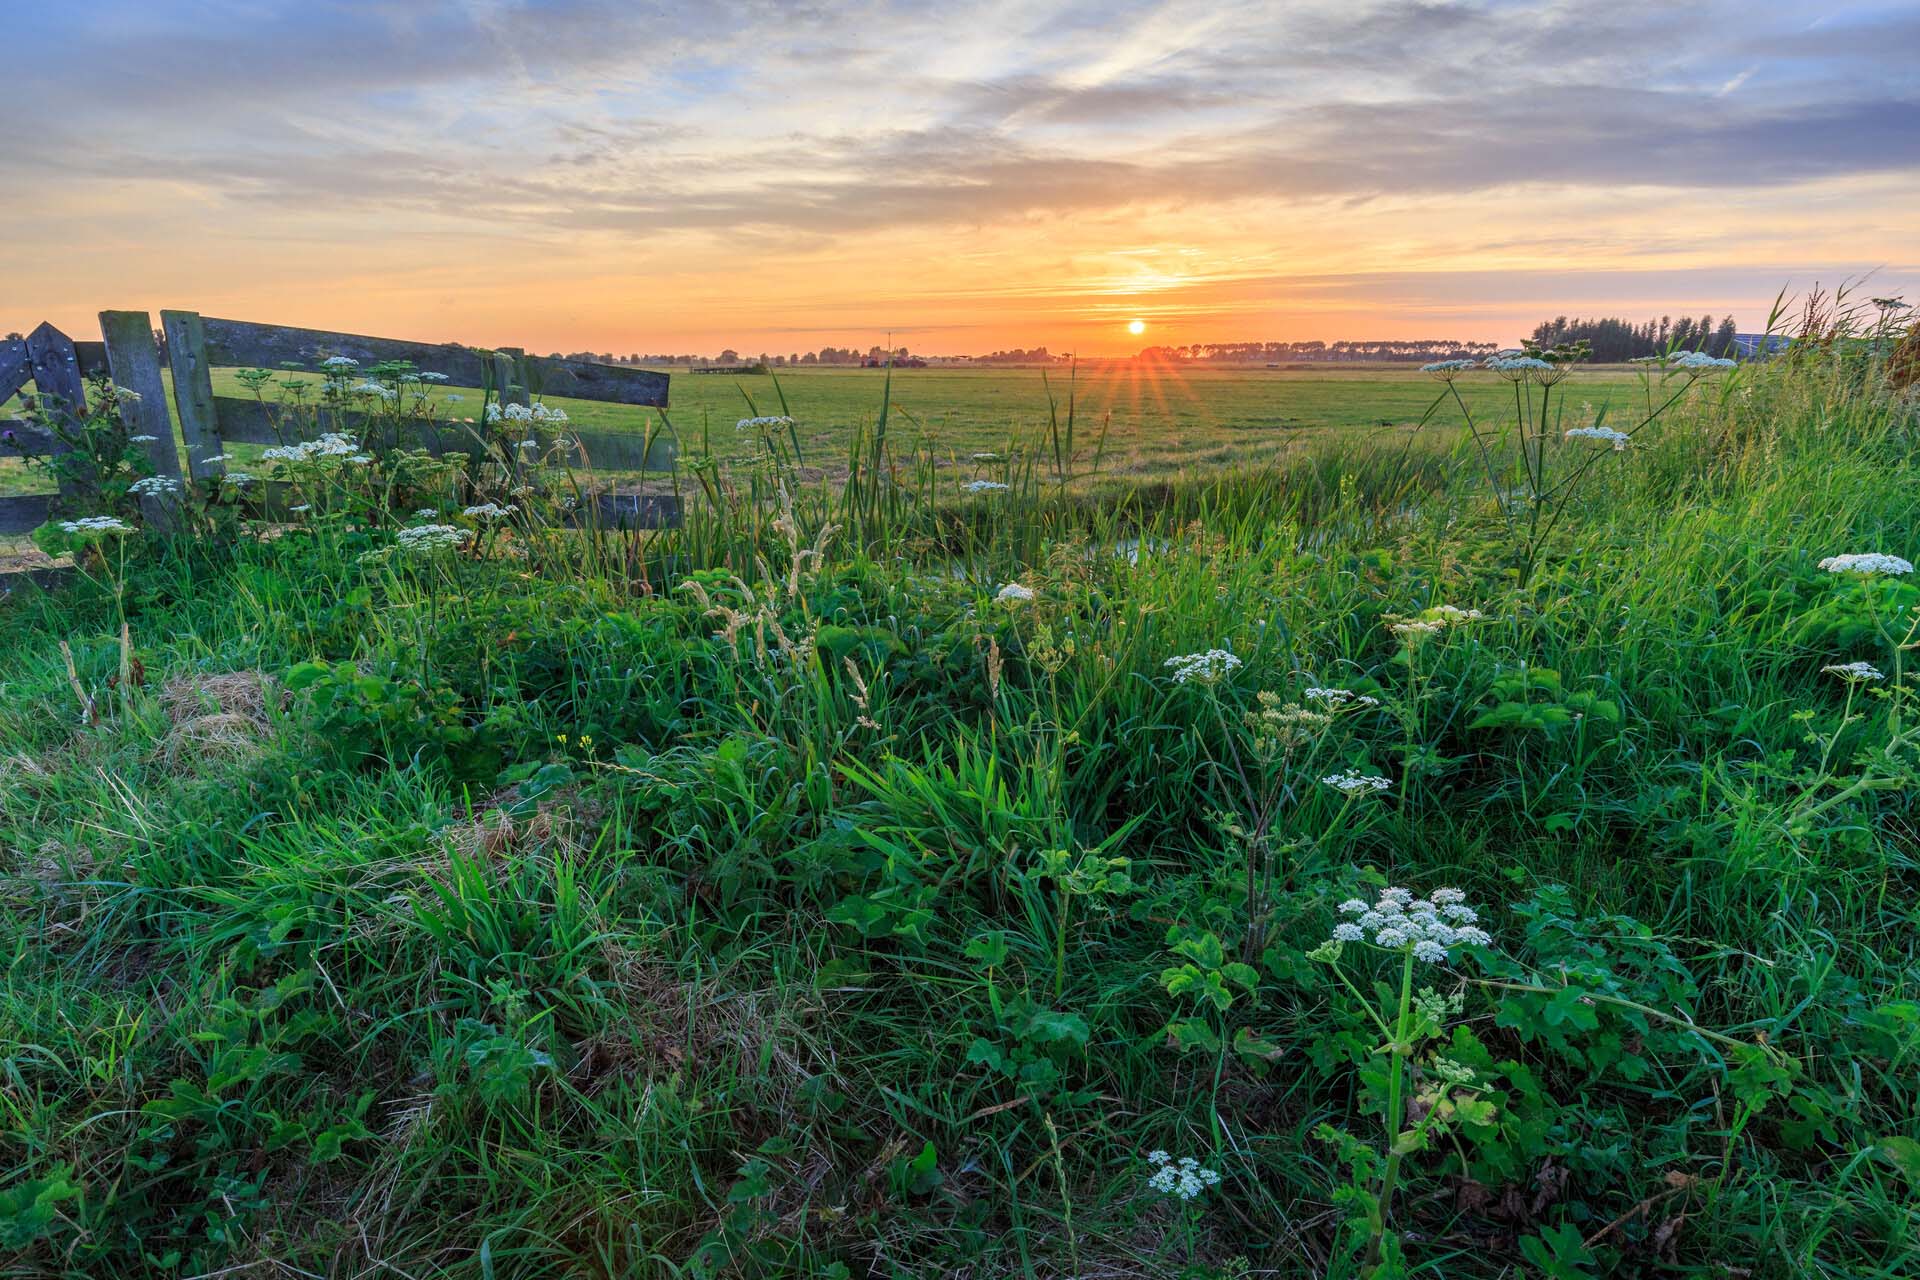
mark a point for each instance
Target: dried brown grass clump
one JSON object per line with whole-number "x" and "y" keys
{"x": 220, "y": 716}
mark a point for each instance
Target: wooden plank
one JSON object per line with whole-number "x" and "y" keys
{"x": 91, "y": 357}
{"x": 193, "y": 390}
{"x": 590, "y": 380}
{"x": 242, "y": 343}
{"x": 625, "y": 451}
{"x": 637, "y": 511}
{"x": 23, "y": 513}
{"x": 244, "y": 420}
{"x": 16, "y": 367}
{"x": 135, "y": 362}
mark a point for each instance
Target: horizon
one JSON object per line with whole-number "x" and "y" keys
{"x": 574, "y": 175}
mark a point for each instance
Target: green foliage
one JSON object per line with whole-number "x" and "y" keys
{"x": 763, "y": 898}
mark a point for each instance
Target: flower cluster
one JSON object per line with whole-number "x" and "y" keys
{"x": 1445, "y": 370}
{"x": 1184, "y": 1179}
{"x": 240, "y": 478}
{"x": 432, "y": 377}
{"x": 497, "y": 412}
{"x": 154, "y": 486}
{"x": 100, "y": 525}
{"x": 1014, "y": 592}
{"x": 1855, "y": 672}
{"x": 1517, "y": 366}
{"x": 1431, "y": 622}
{"x": 488, "y": 511}
{"x": 374, "y": 389}
{"x": 1866, "y": 562}
{"x": 760, "y": 424}
{"x": 1207, "y": 668}
{"x": 1700, "y": 360}
{"x": 141, "y": 439}
{"x": 1338, "y": 697}
{"x": 424, "y": 538}
{"x": 1426, "y": 927}
{"x": 985, "y": 486}
{"x": 1355, "y": 783}
{"x": 1618, "y": 439}
{"x": 329, "y": 447}
{"x": 340, "y": 364}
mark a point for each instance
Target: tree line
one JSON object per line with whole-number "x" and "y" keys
{"x": 1614, "y": 340}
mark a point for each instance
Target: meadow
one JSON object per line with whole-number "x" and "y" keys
{"x": 1473, "y": 851}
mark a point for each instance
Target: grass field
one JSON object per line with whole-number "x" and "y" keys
{"x": 1487, "y": 858}
{"x": 1160, "y": 422}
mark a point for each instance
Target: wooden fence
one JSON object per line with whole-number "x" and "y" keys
{"x": 195, "y": 345}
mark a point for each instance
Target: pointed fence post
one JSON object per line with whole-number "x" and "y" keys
{"x": 59, "y": 388}
{"x": 134, "y": 362}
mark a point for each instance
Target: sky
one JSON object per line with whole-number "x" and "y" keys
{"x": 610, "y": 175}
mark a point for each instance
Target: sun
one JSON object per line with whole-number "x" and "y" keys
{"x": 1136, "y": 327}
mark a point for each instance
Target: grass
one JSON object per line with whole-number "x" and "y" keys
{"x": 1163, "y": 422}
{"x": 760, "y": 898}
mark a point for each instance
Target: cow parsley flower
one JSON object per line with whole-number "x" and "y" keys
{"x": 1354, "y": 783}
{"x": 1425, "y": 927}
{"x": 488, "y": 511}
{"x": 1855, "y": 672}
{"x": 96, "y": 526}
{"x": 141, "y": 439}
{"x": 985, "y": 486}
{"x": 1700, "y": 362}
{"x": 129, "y": 395}
{"x": 1866, "y": 563}
{"x": 305, "y": 506}
{"x": 1206, "y": 668}
{"x": 379, "y": 389}
{"x": 154, "y": 486}
{"x": 427, "y": 538}
{"x": 1431, "y": 622}
{"x": 218, "y": 457}
{"x": 497, "y": 412}
{"x": 1014, "y": 592}
{"x": 433, "y": 377}
{"x": 1517, "y": 367}
{"x": 1333, "y": 697}
{"x": 1183, "y": 1179}
{"x": 1447, "y": 370}
{"x": 766, "y": 423}
{"x": 340, "y": 363}
{"x": 1618, "y": 439}
{"x": 425, "y": 513}
{"x": 331, "y": 447}
{"x": 241, "y": 478}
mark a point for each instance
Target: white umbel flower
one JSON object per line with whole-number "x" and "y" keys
{"x": 985, "y": 486}
{"x": 1210, "y": 667}
{"x": 1183, "y": 1179}
{"x": 1855, "y": 672}
{"x": 1013, "y": 593}
{"x": 1424, "y": 927}
{"x": 1354, "y": 783}
{"x": 1618, "y": 439}
{"x": 427, "y": 538}
{"x": 1867, "y": 562}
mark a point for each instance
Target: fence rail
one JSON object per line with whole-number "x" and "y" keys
{"x": 195, "y": 345}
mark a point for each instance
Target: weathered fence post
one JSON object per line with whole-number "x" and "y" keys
{"x": 193, "y": 391}
{"x": 134, "y": 362}
{"x": 60, "y": 390}
{"x": 510, "y": 375}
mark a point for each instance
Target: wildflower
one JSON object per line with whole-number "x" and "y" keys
{"x": 1618, "y": 439}
{"x": 126, "y": 393}
{"x": 1855, "y": 672}
{"x": 305, "y": 506}
{"x": 433, "y": 377}
{"x": 340, "y": 363}
{"x": 453, "y": 399}
{"x": 1411, "y": 631}
{"x": 1014, "y": 592}
{"x": 100, "y": 525}
{"x": 330, "y": 446}
{"x": 488, "y": 511}
{"x": 141, "y": 439}
{"x": 240, "y": 478}
{"x": 218, "y": 457}
{"x": 154, "y": 486}
{"x": 529, "y": 443}
{"x": 755, "y": 424}
{"x": 1431, "y": 622}
{"x": 986, "y": 457}
{"x": 426, "y": 538}
{"x": 425, "y": 513}
{"x": 1355, "y": 783}
{"x": 374, "y": 389}
{"x": 985, "y": 486}
{"x": 497, "y": 412}
{"x": 1425, "y": 927}
{"x": 1866, "y": 563}
{"x": 1700, "y": 361}
{"x": 1447, "y": 370}
{"x": 1339, "y": 697}
{"x": 1208, "y": 668}
{"x": 1184, "y": 1179}
{"x": 1514, "y": 368}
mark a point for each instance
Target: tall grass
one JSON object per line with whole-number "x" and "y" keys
{"x": 773, "y": 896}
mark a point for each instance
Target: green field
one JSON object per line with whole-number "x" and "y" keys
{"x": 1158, "y": 422}
{"x": 1480, "y": 860}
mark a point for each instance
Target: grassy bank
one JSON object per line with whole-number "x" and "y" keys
{"x": 857, "y": 882}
